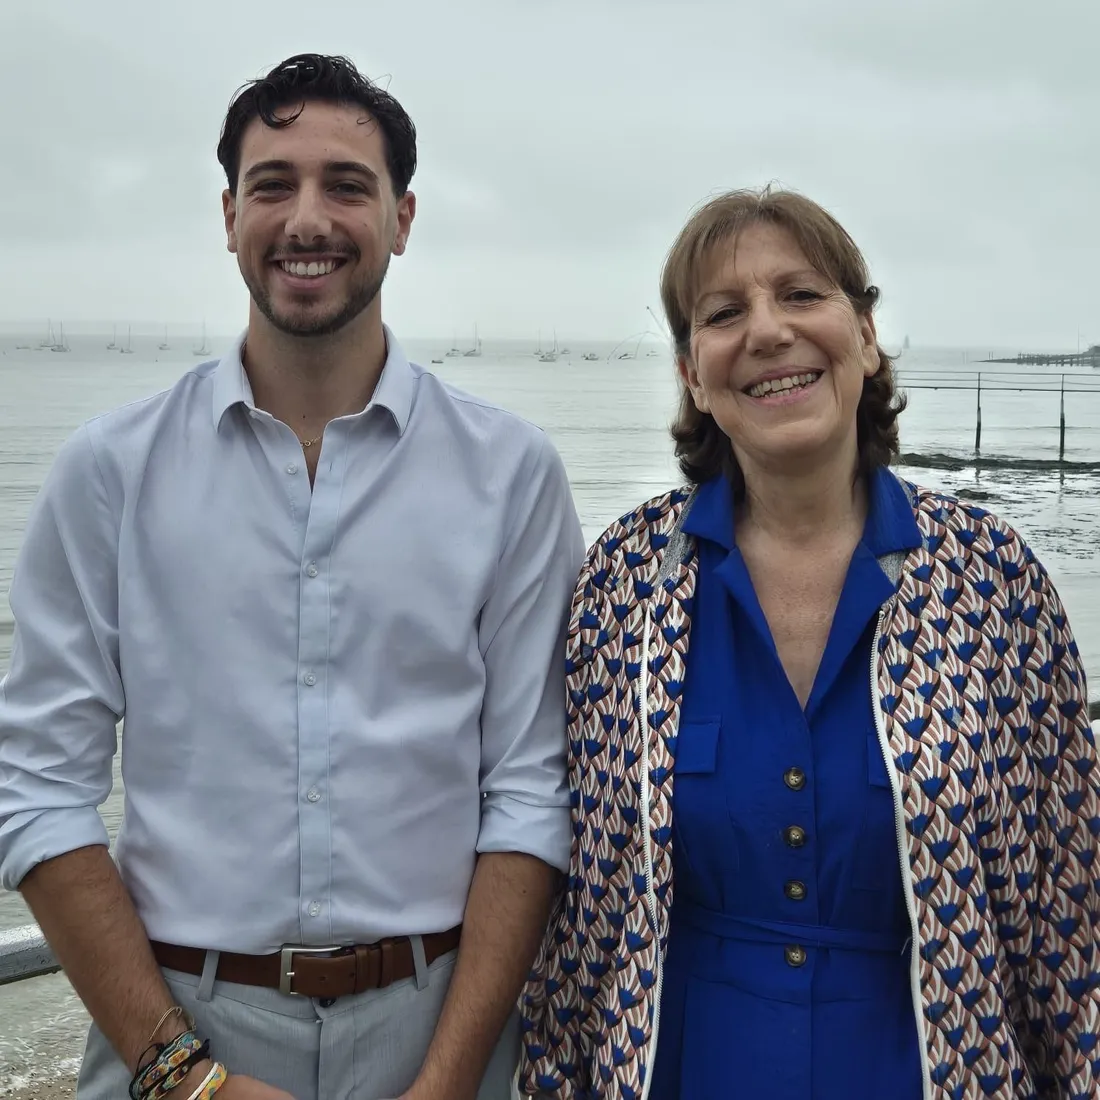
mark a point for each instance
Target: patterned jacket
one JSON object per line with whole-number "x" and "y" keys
{"x": 980, "y": 705}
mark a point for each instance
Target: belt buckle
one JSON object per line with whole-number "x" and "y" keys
{"x": 286, "y": 963}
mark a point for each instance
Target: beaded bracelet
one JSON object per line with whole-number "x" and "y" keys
{"x": 167, "y": 1057}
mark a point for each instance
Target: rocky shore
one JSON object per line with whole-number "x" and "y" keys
{"x": 54, "y": 1088}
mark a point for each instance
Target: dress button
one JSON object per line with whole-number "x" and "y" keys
{"x": 795, "y": 955}
{"x": 292, "y": 468}
{"x": 309, "y": 679}
{"x": 313, "y": 794}
{"x": 314, "y": 909}
{"x": 795, "y": 778}
{"x": 795, "y": 836}
{"x": 795, "y": 890}
{"x": 311, "y": 570}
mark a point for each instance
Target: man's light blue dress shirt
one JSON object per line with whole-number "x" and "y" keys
{"x": 333, "y": 700}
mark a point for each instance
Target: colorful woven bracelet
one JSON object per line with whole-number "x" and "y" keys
{"x": 175, "y": 1078}
{"x": 167, "y": 1057}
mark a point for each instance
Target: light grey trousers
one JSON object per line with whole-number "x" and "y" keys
{"x": 367, "y": 1047}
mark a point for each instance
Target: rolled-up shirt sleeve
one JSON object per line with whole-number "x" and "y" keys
{"x": 525, "y": 799}
{"x": 62, "y": 697}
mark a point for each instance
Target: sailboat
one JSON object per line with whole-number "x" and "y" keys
{"x": 128, "y": 350}
{"x": 454, "y": 348}
{"x": 60, "y": 345}
{"x": 164, "y": 344}
{"x": 113, "y": 345}
{"x": 551, "y": 356}
{"x": 202, "y": 349}
{"x": 49, "y": 341}
{"x": 905, "y": 346}
{"x": 476, "y": 349}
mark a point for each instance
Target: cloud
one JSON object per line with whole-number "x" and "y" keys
{"x": 563, "y": 144}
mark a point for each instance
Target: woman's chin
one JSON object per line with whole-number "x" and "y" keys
{"x": 799, "y": 448}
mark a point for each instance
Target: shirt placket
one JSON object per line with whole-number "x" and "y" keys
{"x": 321, "y": 507}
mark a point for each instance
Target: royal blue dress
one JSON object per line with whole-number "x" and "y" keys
{"x": 787, "y": 972}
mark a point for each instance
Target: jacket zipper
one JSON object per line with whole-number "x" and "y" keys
{"x": 903, "y": 856}
{"x": 647, "y": 840}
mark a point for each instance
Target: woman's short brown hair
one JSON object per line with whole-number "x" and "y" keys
{"x": 702, "y": 447}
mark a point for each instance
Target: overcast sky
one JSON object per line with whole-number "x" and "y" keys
{"x": 563, "y": 143}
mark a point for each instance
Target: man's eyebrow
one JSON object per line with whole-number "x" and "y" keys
{"x": 260, "y": 167}
{"x": 353, "y": 166}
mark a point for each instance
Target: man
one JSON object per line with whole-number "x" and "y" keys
{"x": 328, "y": 594}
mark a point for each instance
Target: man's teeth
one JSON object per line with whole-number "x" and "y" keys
{"x": 779, "y": 385}
{"x": 310, "y": 270}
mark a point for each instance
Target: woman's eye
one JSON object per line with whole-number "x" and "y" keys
{"x": 726, "y": 313}
{"x": 803, "y": 295}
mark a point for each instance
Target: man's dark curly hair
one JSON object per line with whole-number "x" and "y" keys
{"x": 277, "y": 100}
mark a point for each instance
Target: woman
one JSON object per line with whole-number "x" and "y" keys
{"x": 835, "y": 792}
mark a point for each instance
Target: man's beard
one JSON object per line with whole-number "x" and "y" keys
{"x": 304, "y": 325}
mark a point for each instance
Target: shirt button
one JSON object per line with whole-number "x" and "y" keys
{"x": 795, "y": 955}
{"x": 795, "y": 890}
{"x": 313, "y": 794}
{"x": 309, "y": 679}
{"x": 292, "y": 468}
{"x": 314, "y": 909}
{"x": 311, "y": 570}
{"x": 795, "y": 836}
{"x": 795, "y": 778}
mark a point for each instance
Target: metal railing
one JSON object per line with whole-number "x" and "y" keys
{"x": 987, "y": 382}
{"x": 24, "y": 952}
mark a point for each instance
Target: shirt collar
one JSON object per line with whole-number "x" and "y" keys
{"x": 394, "y": 391}
{"x": 890, "y": 525}
{"x": 711, "y": 515}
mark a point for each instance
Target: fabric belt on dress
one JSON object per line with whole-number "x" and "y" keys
{"x": 323, "y": 972}
{"x": 750, "y": 930}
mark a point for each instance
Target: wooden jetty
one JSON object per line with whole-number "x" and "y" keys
{"x": 1090, "y": 358}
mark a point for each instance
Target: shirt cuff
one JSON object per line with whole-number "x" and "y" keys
{"x": 30, "y": 838}
{"x": 510, "y": 825}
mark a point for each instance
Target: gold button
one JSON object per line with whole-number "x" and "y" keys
{"x": 795, "y": 955}
{"x": 795, "y": 778}
{"x": 795, "y": 890}
{"x": 795, "y": 836}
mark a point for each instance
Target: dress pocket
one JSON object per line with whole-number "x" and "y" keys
{"x": 876, "y": 865}
{"x": 704, "y": 845}
{"x": 697, "y": 746}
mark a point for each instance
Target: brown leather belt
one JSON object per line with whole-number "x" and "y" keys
{"x": 315, "y": 971}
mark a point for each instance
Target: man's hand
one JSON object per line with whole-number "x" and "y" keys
{"x": 239, "y": 1087}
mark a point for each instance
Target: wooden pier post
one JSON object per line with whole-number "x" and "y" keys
{"x": 1062, "y": 422}
{"x": 978, "y": 422}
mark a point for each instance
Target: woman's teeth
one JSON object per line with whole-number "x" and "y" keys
{"x": 781, "y": 385}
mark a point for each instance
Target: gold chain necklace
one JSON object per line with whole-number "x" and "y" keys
{"x": 307, "y": 443}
